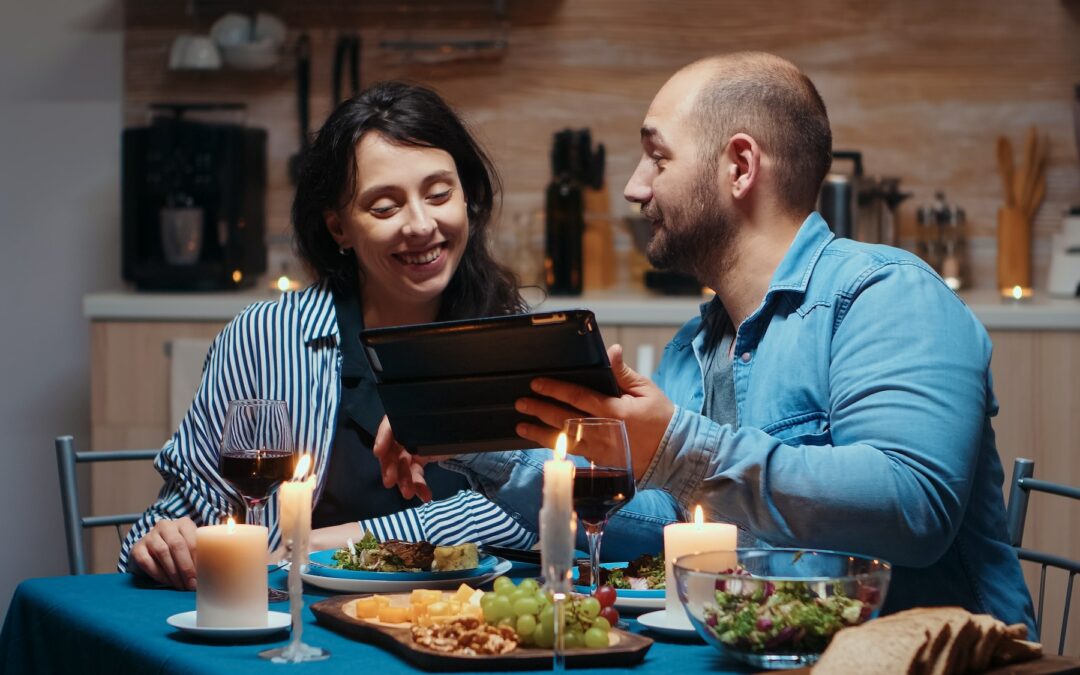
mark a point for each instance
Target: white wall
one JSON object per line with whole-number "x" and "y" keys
{"x": 61, "y": 78}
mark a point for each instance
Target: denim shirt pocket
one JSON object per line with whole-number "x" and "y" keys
{"x": 810, "y": 428}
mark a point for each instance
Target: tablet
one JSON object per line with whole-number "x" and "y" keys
{"x": 449, "y": 388}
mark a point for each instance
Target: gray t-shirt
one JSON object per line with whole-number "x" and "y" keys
{"x": 719, "y": 404}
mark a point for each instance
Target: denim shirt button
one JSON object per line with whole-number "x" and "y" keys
{"x": 746, "y": 357}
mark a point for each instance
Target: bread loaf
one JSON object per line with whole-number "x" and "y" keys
{"x": 927, "y": 641}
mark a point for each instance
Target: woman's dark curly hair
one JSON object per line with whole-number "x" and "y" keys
{"x": 409, "y": 115}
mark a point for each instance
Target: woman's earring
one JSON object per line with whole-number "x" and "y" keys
{"x": 342, "y": 250}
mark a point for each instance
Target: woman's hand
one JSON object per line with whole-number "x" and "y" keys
{"x": 399, "y": 466}
{"x": 167, "y": 553}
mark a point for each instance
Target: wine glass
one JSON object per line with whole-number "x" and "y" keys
{"x": 606, "y": 484}
{"x": 257, "y": 454}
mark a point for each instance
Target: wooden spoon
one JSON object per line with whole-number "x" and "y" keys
{"x": 1005, "y": 167}
{"x": 1029, "y": 172}
{"x": 1038, "y": 192}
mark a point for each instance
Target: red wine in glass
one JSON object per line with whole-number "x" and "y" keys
{"x": 257, "y": 454}
{"x": 606, "y": 484}
{"x": 601, "y": 491}
{"x": 257, "y": 473}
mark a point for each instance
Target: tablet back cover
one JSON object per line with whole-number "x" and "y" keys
{"x": 450, "y": 387}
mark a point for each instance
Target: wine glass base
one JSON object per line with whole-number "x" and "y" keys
{"x": 295, "y": 653}
{"x": 274, "y": 595}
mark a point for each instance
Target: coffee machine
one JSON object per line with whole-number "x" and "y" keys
{"x": 193, "y": 202}
{"x": 858, "y": 206}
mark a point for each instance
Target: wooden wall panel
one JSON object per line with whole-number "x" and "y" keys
{"x": 922, "y": 87}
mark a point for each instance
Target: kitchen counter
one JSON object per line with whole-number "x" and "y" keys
{"x": 627, "y": 308}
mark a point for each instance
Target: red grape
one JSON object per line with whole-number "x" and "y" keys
{"x": 606, "y": 595}
{"x": 611, "y": 614}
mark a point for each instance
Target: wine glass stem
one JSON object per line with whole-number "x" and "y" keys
{"x": 594, "y": 531}
{"x": 256, "y": 513}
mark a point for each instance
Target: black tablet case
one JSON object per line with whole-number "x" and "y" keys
{"x": 450, "y": 387}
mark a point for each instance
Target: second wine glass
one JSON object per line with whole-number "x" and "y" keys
{"x": 606, "y": 484}
{"x": 257, "y": 454}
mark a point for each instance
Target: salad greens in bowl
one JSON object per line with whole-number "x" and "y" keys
{"x": 778, "y": 608}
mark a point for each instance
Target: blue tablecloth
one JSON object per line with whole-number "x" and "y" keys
{"x": 107, "y": 624}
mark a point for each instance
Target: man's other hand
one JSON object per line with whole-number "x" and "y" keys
{"x": 644, "y": 408}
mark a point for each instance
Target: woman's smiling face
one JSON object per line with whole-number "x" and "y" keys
{"x": 407, "y": 225}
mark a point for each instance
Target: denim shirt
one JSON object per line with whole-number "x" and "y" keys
{"x": 864, "y": 399}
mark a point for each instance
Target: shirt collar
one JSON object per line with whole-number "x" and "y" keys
{"x": 793, "y": 273}
{"x": 350, "y": 321}
{"x": 318, "y": 320}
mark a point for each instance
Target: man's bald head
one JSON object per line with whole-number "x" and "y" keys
{"x": 772, "y": 101}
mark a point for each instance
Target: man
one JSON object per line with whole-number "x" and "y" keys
{"x": 834, "y": 394}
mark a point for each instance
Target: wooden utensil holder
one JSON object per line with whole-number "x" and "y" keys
{"x": 1014, "y": 249}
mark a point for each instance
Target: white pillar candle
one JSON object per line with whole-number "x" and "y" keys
{"x": 294, "y": 502}
{"x": 230, "y": 564}
{"x": 557, "y": 525}
{"x": 294, "y": 499}
{"x": 685, "y": 538}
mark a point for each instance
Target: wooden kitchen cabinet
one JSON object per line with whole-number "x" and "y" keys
{"x": 129, "y": 409}
{"x": 1037, "y": 381}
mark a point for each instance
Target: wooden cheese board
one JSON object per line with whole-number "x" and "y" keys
{"x": 336, "y": 613}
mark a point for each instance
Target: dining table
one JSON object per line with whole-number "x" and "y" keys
{"x": 113, "y": 623}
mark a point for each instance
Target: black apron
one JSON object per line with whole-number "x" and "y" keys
{"x": 353, "y": 488}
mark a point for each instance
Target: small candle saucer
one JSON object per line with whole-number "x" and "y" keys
{"x": 677, "y": 625}
{"x": 186, "y": 622}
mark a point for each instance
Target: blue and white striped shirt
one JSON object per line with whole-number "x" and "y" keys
{"x": 288, "y": 350}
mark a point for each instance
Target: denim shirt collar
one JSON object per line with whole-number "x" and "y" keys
{"x": 793, "y": 273}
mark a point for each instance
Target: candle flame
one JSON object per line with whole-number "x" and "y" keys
{"x": 302, "y": 467}
{"x": 1018, "y": 292}
{"x": 560, "y": 447}
{"x": 699, "y": 515}
{"x": 232, "y": 524}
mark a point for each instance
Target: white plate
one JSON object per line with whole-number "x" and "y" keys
{"x": 186, "y": 621}
{"x": 381, "y": 586}
{"x": 623, "y": 602}
{"x": 666, "y": 624}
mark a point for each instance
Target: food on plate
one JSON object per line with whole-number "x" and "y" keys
{"x": 927, "y": 640}
{"x": 466, "y": 637}
{"x": 644, "y": 573}
{"x": 529, "y": 612}
{"x": 759, "y": 615}
{"x": 371, "y": 555}
{"x": 460, "y": 557}
{"x": 422, "y": 607}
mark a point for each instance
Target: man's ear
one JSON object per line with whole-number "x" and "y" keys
{"x": 744, "y": 157}
{"x": 333, "y": 224}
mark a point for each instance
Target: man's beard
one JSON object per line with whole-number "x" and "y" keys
{"x": 696, "y": 234}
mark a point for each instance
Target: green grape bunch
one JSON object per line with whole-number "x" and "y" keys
{"x": 527, "y": 609}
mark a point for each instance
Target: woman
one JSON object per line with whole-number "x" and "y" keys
{"x": 391, "y": 214}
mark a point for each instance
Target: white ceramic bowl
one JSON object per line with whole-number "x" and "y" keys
{"x": 269, "y": 27}
{"x": 251, "y": 55}
{"x": 231, "y": 29}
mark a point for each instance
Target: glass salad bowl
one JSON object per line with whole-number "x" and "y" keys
{"x": 778, "y": 608}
